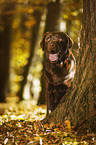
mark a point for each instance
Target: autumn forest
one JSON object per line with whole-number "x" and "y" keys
{"x": 23, "y": 24}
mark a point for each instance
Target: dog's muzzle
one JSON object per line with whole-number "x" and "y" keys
{"x": 53, "y": 55}
{"x": 57, "y": 57}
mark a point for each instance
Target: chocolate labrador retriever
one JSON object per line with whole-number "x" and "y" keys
{"x": 59, "y": 67}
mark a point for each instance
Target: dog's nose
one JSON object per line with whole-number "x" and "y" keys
{"x": 51, "y": 45}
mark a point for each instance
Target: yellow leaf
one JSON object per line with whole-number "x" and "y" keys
{"x": 68, "y": 123}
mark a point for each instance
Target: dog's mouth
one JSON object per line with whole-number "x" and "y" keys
{"x": 53, "y": 57}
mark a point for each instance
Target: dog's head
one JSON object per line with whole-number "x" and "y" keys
{"x": 56, "y": 45}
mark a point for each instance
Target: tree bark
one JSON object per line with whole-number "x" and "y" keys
{"x": 79, "y": 104}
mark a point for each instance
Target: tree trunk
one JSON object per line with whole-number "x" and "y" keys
{"x": 5, "y": 34}
{"x": 79, "y": 104}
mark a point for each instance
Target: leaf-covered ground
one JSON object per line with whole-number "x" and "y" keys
{"x": 20, "y": 125}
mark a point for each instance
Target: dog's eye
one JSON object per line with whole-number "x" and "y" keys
{"x": 60, "y": 40}
{"x": 48, "y": 39}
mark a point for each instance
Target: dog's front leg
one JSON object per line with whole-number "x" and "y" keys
{"x": 48, "y": 102}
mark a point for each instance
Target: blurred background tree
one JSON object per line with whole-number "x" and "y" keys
{"x": 6, "y": 18}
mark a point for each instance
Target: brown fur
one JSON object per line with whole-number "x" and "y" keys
{"x": 59, "y": 67}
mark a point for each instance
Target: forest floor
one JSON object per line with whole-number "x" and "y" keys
{"x": 20, "y": 125}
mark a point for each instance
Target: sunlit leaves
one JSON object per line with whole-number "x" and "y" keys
{"x": 20, "y": 51}
{"x": 36, "y": 2}
{"x": 37, "y": 69}
{"x": 72, "y": 15}
{"x": 29, "y": 23}
{"x": 68, "y": 123}
{"x": 22, "y": 125}
{"x": 40, "y": 52}
{"x": 65, "y": 16}
{"x": 16, "y": 23}
{"x": 23, "y": 23}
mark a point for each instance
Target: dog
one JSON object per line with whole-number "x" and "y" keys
{"x": 60, "y": 67}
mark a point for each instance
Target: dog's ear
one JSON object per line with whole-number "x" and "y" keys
{"x": 42, "y": 43}
{"x": 70, "y": 42}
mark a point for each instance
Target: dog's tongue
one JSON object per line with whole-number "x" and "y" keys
{"x": 53, "y": 57}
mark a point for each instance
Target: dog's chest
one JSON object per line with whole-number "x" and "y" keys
{"x": 62, "y": 73}
{"x": 56, "y": 73}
